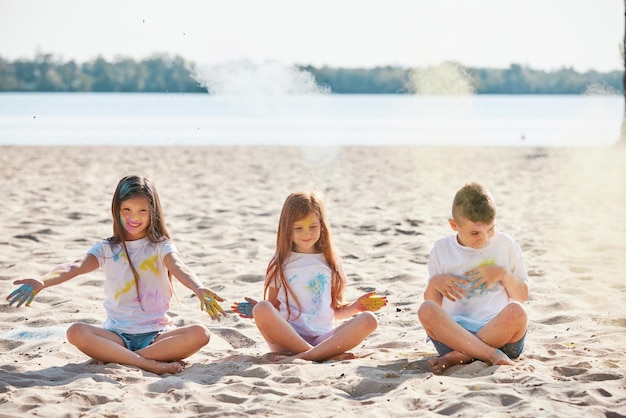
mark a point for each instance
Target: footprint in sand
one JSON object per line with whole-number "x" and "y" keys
{"x": 234, "y": 337}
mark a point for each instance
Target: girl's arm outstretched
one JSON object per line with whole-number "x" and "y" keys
{"x": 61, "y": 273}
{"x": 208, "y": 298}
{"x": 367, "y": 302}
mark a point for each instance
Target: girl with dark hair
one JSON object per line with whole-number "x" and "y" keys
{"x": 138, "y": 262}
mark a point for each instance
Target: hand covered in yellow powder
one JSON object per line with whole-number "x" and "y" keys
{"x": 208, "y": 302}
{"x": 369, "y": 302}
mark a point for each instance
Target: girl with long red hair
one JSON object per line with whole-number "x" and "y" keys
{"x": 304, "y": 288}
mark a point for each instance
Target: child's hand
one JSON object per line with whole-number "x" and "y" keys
{"x": 208, "y": 302}
{"x": 25, "y": 293}
{"x": 449, "y": 286}
{"x": 369, "y": 302}
{"x": 484, "y": 277}
{"x": 244, "y": 309}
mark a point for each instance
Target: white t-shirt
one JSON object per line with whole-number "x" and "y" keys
{"x": 481, "y": 305}
{"x": 121, "y": 301}
{"x": 309, "y": 278}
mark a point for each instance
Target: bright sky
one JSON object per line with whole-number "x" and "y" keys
{"x": 542, "y": 34}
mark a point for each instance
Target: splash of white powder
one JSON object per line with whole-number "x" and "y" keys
{"x": 246, "y": 78}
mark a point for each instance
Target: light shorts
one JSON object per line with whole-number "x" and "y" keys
{"x": 311, "y": 340}
{"x": 136, "y": 342}
{"x": 317, "y": 340}
{"x": 512, "y": 350}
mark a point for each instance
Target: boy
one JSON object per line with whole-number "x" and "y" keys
{"x": 473, "y": 301}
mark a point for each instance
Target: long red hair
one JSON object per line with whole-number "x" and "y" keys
{"x": 297, "y": 206}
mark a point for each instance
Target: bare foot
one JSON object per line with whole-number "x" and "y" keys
{"x": 303, "y": 356}
{"x": 342, "y": 356}
{"x": 440, "y": 364}
{"x": 161, "y": 367}
{"x": 285, "y": 358}
{"x": 501, "y": 359}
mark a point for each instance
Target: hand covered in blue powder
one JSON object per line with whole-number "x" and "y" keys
{"x": 25, "y": 293}
{"x": 244, "y": 309}
{"x": 484, "y": 278}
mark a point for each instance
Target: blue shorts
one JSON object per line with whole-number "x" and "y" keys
{"x": 136, "y": 342}
{"x": 512, "y": 350}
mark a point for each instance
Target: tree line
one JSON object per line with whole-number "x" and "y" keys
{"x": 163, "y": 73}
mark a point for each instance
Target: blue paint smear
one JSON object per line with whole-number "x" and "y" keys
{"x": 33, "y": 334}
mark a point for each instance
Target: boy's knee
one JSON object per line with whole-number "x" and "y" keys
{"x": 517, "y": 309}
{"x": 426, "y": 310}
{"x": 516, "y": 314}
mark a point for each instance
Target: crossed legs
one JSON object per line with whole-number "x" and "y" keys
{"x": 507, "y": 327}
{"x": 162, "y": 356}
{"x": 280, "y": 336}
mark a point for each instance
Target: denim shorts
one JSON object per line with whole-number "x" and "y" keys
{"x": 136, "y": 342}
{"x": 512, "y": 350}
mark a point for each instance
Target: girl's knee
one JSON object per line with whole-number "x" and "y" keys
{"x": 262, "y": 309}
{"x": 200, "y": 334}
{"x": 368, "y": 321}
{"x": 75, "y": 333}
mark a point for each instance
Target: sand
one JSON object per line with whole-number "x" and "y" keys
{"x": 564, "y": 206}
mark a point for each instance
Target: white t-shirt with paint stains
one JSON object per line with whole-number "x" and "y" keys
{"x": 309, "y": 278}
{"x": 128, "y": 311}
{"x": 480, "y": 306}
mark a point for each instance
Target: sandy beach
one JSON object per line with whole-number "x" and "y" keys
{"x": 387, "y": 206}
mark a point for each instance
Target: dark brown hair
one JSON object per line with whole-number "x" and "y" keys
{"x": 130, "y": 187}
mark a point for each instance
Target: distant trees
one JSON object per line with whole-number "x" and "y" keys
{"x": 523, "y": 80}
{"x": 379, "y": 80}
{"x": 164, "y": 73}
{"x": 513, "y": 80}
{"x": 47, "y": 74}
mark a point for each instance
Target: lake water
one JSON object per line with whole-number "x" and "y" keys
{"x": 326, "y": 120}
